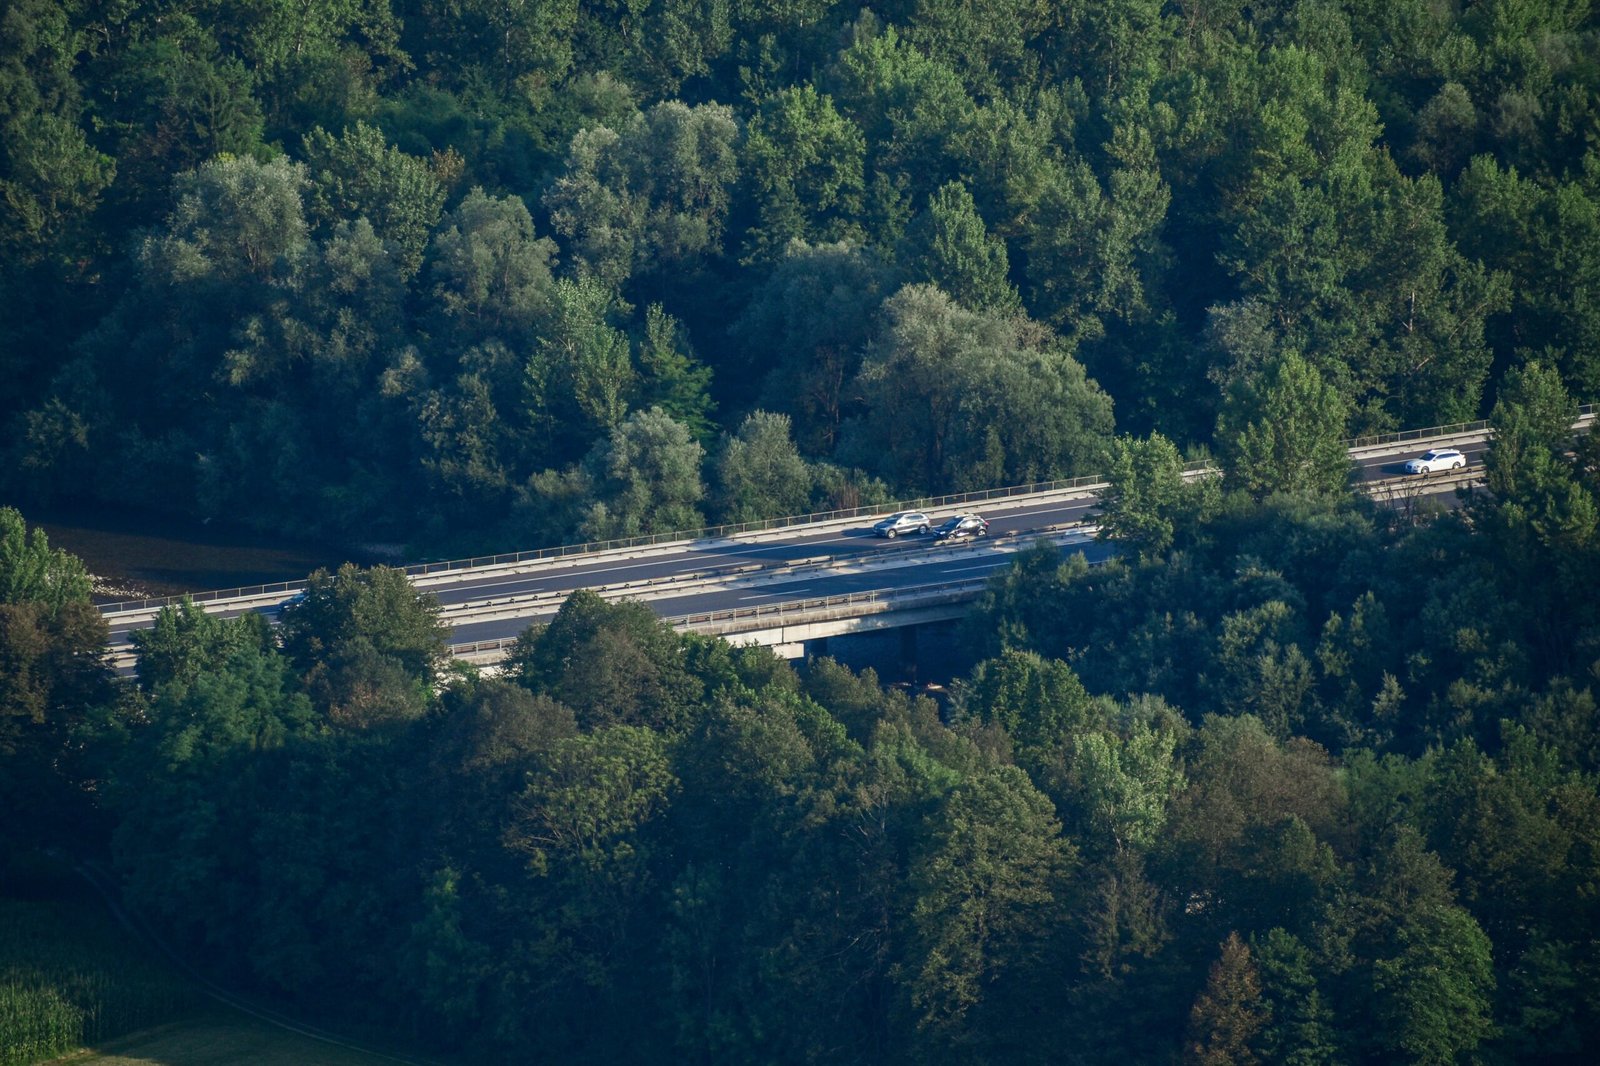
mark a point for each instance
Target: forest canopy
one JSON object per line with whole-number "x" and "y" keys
{"x": 417, "y": 271}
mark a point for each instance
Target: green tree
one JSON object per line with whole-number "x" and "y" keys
{"x": 491, "y": 274}
{"x": 1543, "y": 515}
{"x": 585, "y": 825}
{"x": 947, "y": 246}
{"x": 1532, "y": 420}
{"x": 578, "y": 382}
{"x": 988, "y": 46}
{"x": 528, "y": 43}
{"x": 803, "y": 331}
{"x": 358, "y": 174}
{"x": 1301, "y": 1027}
{"x": 955, "y": 399}
{"x": 188, "y": 791}
{"x": 671, "y": 377}
{"x": 54, "y": 682}
{"x": 610, "y": 662}
{"x": 1096, "y": 245}
{"x": 804, "y": 163}
{"x": 1545, "y": 235}
{"x": 1435, "y": 993}
{"x": 654, "y": 195}
{"x": 186, "y": 642}
{"x": 760, "y": 473}
{"x": 647, "y": 477}
{"x": 235, "y": 222}
{"x": 1039, "y": 702}
{"x": 1283, "y": 431}
{"x": 984, "y": 884}
{"x": 1147, "y": 499}
{"x": 367, "y": 642}
{"x": 51, "y": 179}
{"x": 33, "y": 572}
{"x": 171, "y": 99}
{"x": 910, "y": 107}
{"x": 1125, "y": 781}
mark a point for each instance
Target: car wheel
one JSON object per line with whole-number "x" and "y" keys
{"x": 921, "y": 530}
{"x": 983, "y": 532}
{"x": 890, "y": 534}
{"x": 1458, "y": 464}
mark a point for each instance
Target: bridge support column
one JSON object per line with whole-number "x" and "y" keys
{"x": 908, "y": 652}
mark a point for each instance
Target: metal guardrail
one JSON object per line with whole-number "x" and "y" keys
{"x": 129, "y": 606}
{"x": 706, "y": 532}
{"x": 1404, "y": 435}
{"x": 1586, "y": 410}
{"x": 786, "y": 522}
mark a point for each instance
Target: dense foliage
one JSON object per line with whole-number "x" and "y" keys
{"x": 1292, "y": 780}
{"x": 485, "y": 274}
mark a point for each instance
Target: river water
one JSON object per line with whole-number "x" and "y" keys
{"x": 134, "y": 555}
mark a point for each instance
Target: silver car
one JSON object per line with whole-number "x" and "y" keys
{"x": 901, "y": 522}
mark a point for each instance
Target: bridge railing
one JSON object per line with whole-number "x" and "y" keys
{"x": 270, "y": 589}
{"x": 1586, "y": 411}
{"x": 647, "y": 540}
{"x": 727, "y": 529}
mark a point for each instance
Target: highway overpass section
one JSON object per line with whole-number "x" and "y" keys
{"x": 793, "y": 579}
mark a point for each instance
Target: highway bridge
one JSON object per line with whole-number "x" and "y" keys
{"x": 793, "y": 581}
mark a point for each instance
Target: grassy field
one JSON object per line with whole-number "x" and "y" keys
{"x": 69, "y": 976}
{"x": 75, "y": 987}
{"x": 222, "y": 1038}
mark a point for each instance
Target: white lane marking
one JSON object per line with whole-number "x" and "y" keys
{"x": 980, "y": 566}
{"x": 712, "y": 557}
{"x": 769, "y": 595}
{"x": 710, "y": 560}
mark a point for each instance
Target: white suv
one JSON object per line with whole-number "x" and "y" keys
{"x": 1436, "y": 459}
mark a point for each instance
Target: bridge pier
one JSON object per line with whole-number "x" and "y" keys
{"x": 908, "y": 652}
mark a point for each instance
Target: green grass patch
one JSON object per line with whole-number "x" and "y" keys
{"x": 70, "y": 977}
{"x": 224, "y": 1038}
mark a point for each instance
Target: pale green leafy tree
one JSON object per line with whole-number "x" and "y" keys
{"x": 32, "y": 571}
{"x": 654, "y": 194}
{"x": 1127, "y": 781}
{"x": 760, "y": 473}
{"x": 358, "y": 174}
{"x": 1282, "y": 431}
{"x": 648, "y": 475}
